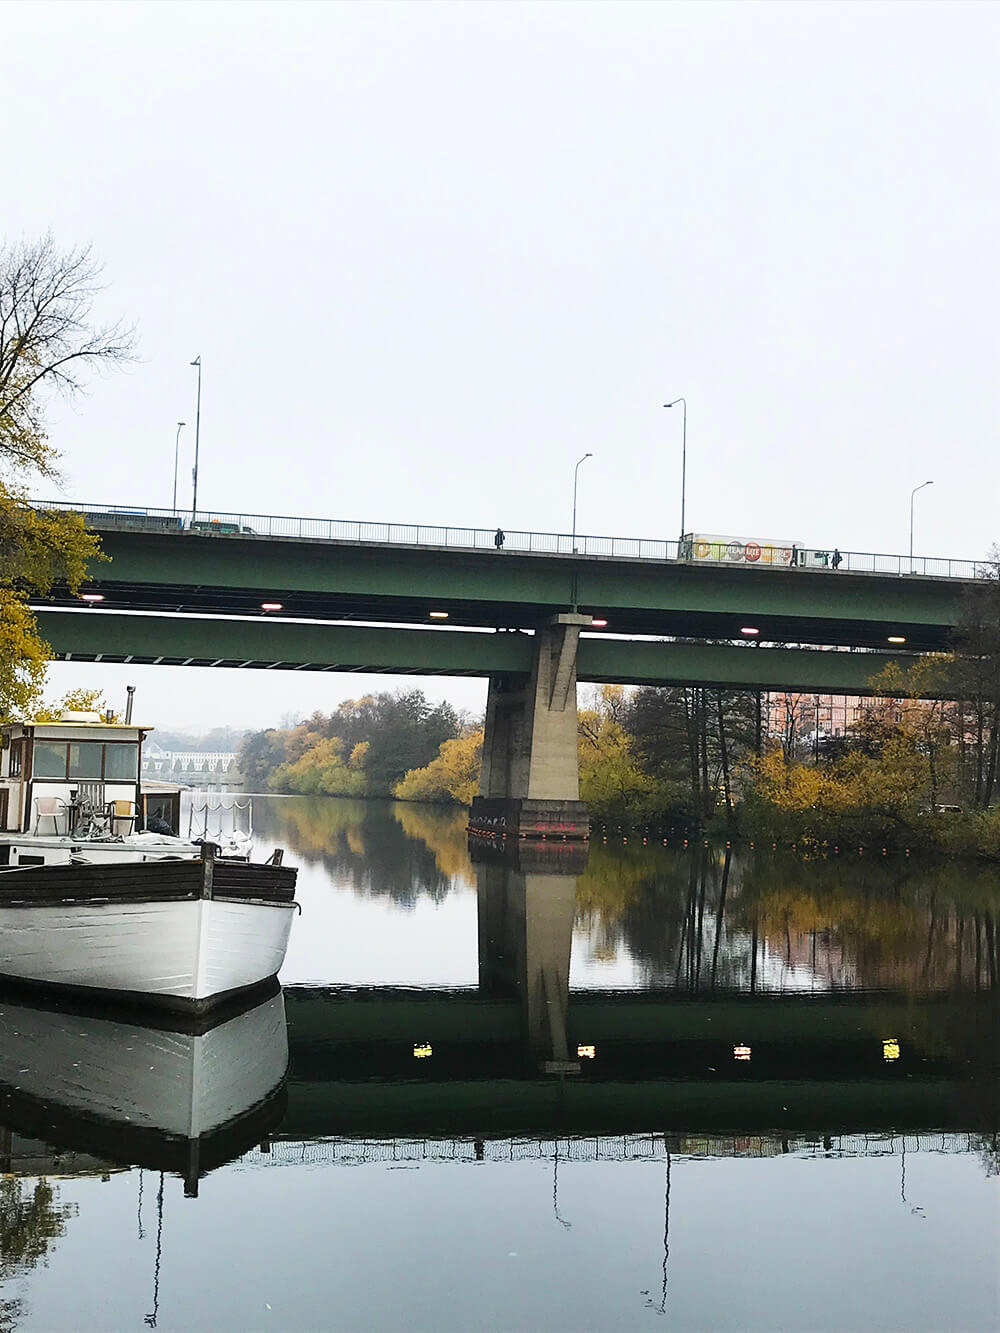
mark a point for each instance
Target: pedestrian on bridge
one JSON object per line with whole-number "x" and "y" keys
{"x": 499, "y": 538}
{"x": 837, "y": 558}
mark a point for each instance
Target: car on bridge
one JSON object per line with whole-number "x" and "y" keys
{"x": 160, "y": 521}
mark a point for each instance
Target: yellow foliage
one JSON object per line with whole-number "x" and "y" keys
{"x": 321, "y": 770}
{"x": 23, "y": 655}
{"x": 74, "y": 701}
{"x": 612, "y": 781}
{"x": 453, "y": 775}
{"x": 39, "y": 549}
{"x": 357, "y": 759}
{"x": 789, "y": 786}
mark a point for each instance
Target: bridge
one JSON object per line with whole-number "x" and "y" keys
{"x": 533, "y": 616}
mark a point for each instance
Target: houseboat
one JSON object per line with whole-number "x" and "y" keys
{"x": 76, "y": 781}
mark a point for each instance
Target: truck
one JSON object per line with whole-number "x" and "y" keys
{"x": 713, "y": 548}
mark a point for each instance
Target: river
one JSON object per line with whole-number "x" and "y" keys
{"x": 635, "y": 1086}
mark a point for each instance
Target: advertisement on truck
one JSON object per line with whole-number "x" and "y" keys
{"x": 711, "y": 548}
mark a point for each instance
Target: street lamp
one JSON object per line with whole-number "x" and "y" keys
{"x": 177, "y": 440}
{"x": 576, "y": 471}
{"x": 197, "y": 441}
{"x": 912, "y": 494}
{"x": 684, "y": 453}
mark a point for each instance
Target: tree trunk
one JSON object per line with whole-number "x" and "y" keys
{"x": 993, "y": 753}
{"x": 690, "y": 723}
{"x": 724, "y": 754}
{"x": 706, "y": 789}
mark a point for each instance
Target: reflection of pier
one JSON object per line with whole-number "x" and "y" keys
{"x": 527, "y": 903}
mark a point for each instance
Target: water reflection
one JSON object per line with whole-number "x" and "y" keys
{"x": 872, "y": 1011}
{"x": 416, "y": 853}
{"x": 705, "y": 918}
{"x": 639, "y": 1026}
{"x": 81, "y": 1086}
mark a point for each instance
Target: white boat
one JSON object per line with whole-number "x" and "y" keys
{"x": 92, "y": 902}
{"x": 181, "y": 1096}
{"x": 183, "y": 934}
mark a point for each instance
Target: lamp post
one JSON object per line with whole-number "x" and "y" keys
{"x": 684, "y": 454}
{"x": 912, "y": 494}
{"x": 197, "y": 441}
{"x": 576, "y": 472}
{"x": 177, "y": 440}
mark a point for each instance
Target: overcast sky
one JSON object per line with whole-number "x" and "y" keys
{"x": 431, "y": 254}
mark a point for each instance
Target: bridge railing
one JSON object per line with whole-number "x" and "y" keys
{"x": 227, "y": 523}
{"x": 339, "y": 1151}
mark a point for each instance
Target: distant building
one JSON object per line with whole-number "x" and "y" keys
{"x": 191, "y": 768}
{"x": 799, "y": 716}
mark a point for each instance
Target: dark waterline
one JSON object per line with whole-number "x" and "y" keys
{"x": 620, "y": 1088}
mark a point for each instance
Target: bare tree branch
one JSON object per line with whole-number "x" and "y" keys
{"x": 47, "y": 339}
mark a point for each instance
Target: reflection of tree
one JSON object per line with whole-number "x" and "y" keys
{"x": 989, "y": 1152}
{"x": 669, "y": 908}
{"x": 697, "y": 921}
{"x": 358, "y": 844}
{"x": 444, "y": 831}
{"x": 927, "y": 929}
{"x": 29, "y": 1222}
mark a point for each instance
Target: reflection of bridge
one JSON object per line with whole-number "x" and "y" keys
{"x": 207, "y": 581}
{"x": 815, "y": 1066}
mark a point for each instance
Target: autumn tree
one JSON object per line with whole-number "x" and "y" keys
{"x": 401, "y": 731}
{"x": 48, "y": 343}
{"x": 614, "y": 781}
{"x": 452, "y": 776}
{"x": 694, "y": 737}
{"x": 324, "y": 769}
{"x": 79, "y": 700}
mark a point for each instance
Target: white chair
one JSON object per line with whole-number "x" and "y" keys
{"x": 49, "y": 807}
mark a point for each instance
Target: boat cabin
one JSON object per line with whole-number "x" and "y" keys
{"x": 81, "y": 767}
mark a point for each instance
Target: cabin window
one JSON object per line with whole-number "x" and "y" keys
{"x": 85, "y": 761}
{"x": 121, "y": 762}
{"x": 49, "y": 759}
{"x": 16, "y": 751}
{"x": 82, "y": 760}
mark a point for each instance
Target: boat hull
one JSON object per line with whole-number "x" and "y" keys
{"x": 144, "y": 933}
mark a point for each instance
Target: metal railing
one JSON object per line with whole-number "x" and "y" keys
{"x": 229, "y": 523}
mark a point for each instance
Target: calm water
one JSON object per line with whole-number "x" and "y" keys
{"x": 655, "y": 1087}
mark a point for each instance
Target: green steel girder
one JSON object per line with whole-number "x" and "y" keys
{"x": 98, "y": 635}
{"x": 342, "y": 580}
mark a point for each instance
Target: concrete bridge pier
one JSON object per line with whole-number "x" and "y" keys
{"x": 530, "y": 785}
